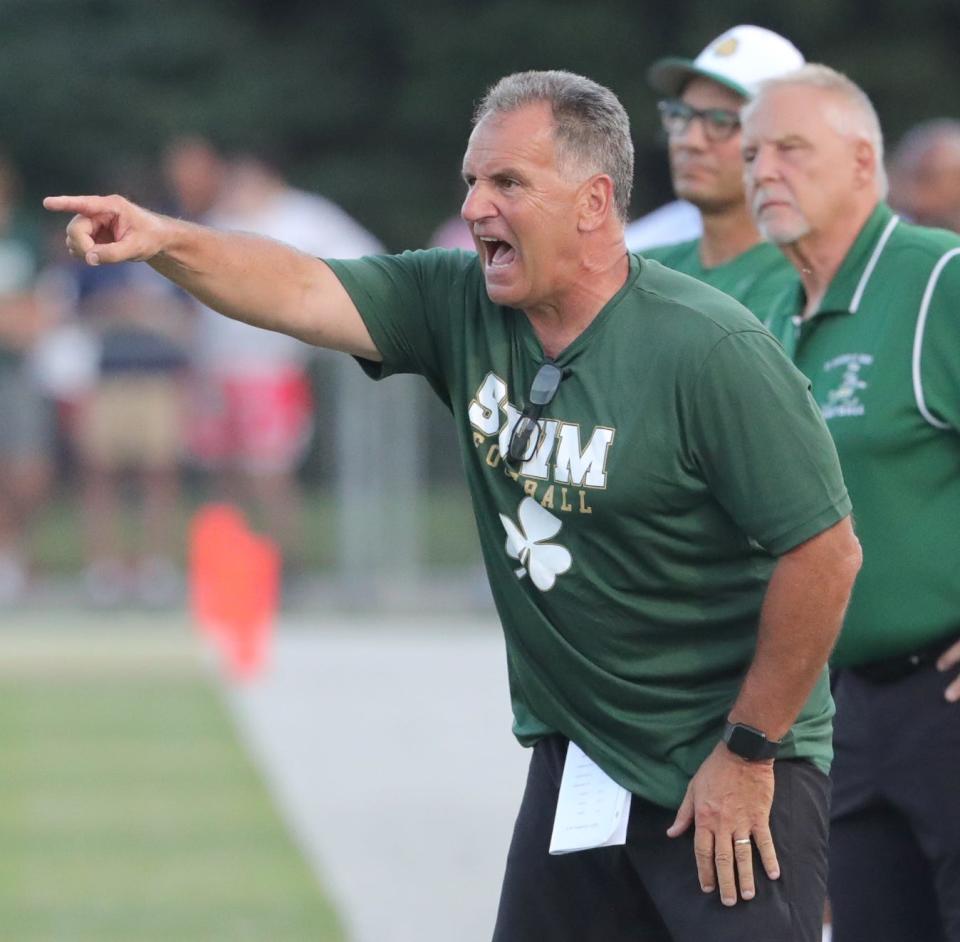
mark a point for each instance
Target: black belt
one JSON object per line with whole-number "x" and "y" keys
{"x": 896, "y": 668}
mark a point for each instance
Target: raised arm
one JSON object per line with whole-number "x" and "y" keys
{"x": 250, "y": 278}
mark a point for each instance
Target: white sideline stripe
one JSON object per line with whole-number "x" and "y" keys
{"x": 874, "y": 258}
{"x": 918, "y": 340}
{"x": 385, "y": 742}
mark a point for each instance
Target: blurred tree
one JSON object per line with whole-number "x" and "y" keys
{"x": 370, "y": 101}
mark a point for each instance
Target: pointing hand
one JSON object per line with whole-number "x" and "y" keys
{"x": 109, "y": 229}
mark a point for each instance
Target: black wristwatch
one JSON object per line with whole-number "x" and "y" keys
{"x": 749, "y": 743}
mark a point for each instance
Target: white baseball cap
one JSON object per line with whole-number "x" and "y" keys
{"x": 740, "y": 59}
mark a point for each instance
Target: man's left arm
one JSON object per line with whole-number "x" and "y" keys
{"x": 729, "y": 798}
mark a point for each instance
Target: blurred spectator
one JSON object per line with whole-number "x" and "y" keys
{"x": 25, "y": 422}
{"x": 925, "y": 174}
{"x": 66, "y": 358}
{"x": 132, "y": 423}
{"x": 116, "y": 364}
{"x": 196, "y": 173}
{"x": 253, "y": 413}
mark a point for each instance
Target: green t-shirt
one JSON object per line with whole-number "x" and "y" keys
{"x": 883, "y": 355}
{"x": 629, "y": 557}
{"x": 756, "y": 278}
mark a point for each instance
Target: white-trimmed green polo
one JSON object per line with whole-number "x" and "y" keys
{"x": 883, "y": 356}
{"x": 756, "y": 278}
{"x": 629, "y": 556}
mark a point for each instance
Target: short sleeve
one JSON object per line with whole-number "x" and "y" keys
{"x": 936, "y": 367}
{"x": 762, "y": 445}
{"x": 406, "y": 302}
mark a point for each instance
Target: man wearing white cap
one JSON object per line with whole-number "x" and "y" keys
{"x": 700, "y": 114}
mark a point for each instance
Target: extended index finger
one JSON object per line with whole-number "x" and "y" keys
{"x": 84, "y": 205}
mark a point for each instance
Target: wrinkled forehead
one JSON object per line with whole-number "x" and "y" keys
{"x": 788, "y": 110}
{"x": 532, "y": 117}
{"x": 527, "y": 131}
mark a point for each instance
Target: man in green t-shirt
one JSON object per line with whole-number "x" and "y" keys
{"x": 700, "y": 115}
{"x": 662, "y": 516}
{"x": 874, "y": 325}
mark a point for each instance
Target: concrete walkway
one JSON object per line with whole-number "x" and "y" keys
{"x": 387, "y": 746}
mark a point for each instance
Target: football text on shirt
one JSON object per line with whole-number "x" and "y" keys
{"x": 560, "y": 463}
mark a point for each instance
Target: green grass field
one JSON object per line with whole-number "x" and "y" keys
{"x": 128, "y": 808}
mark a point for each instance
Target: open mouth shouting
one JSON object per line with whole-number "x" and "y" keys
{"x": 496, "y": 254}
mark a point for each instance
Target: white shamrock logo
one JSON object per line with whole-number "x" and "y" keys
{"x": 543, "y": 561}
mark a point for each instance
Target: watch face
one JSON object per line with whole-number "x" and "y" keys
{"x": 744, "y": 742}
{"x": 749, "y": 743}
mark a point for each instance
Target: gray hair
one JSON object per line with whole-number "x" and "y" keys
{"x": 592, "y": 130}
{"x": 854, "y": 116}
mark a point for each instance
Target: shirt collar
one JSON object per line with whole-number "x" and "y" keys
{"x": 849, "y": 283}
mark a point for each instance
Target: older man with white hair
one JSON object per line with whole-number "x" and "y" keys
{"x": 874, "y": 325}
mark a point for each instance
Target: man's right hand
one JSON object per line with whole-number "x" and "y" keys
{"x": 109, "y": 229}
{"x": 728, "y": 801}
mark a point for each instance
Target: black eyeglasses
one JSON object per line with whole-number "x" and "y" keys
{"x": 526, "y": 433}
{"x": 719, "y": 124}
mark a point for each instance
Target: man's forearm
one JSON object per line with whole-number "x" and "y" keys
{"x": 801, "y": 617}
{"x": 250, "y": 278}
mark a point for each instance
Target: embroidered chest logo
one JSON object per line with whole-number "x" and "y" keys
{"x": 541, "y": 560}
{"x": 847, "y": 376}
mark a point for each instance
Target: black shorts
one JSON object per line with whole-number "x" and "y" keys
{"x": 648, "y": 890}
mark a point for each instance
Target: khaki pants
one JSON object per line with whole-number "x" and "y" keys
{"x": 133, "y": 420}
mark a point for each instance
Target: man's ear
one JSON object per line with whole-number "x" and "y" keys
{"x": 865, "y": 162}
{"x": 596, "y": 202}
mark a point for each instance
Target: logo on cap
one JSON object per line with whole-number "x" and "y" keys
{"x": 726, "y": 47}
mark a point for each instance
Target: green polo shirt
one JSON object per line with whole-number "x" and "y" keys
{"x": 629, "y": 557}
{"x": 883, "y": 356}
{"x": 756, "y": 278}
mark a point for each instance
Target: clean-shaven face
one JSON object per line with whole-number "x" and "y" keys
{"x": 799, "y": 170}
{"x": 707, "y": 173}
{"x": 521, "y": 208}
